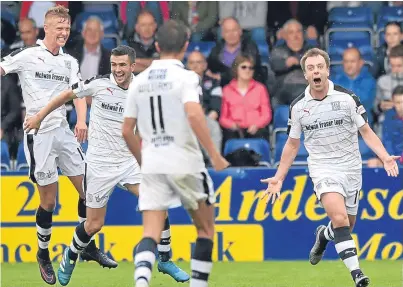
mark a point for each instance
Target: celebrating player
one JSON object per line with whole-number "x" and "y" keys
{"x": 164, "y": 105}
{"x": 45, "y": 71}
{"x": 330, "y": 117}
{"x": 110, "y": 162}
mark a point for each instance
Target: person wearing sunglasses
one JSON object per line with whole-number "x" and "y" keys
{"x": 245, "y": 110}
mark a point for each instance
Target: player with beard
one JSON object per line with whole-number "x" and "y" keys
{"x": 330, "y": 117}
{"x": 110, "y": 162}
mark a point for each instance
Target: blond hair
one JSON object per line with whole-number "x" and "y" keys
{"x": 58, "y": 11}
{"x": 314, "y": 52}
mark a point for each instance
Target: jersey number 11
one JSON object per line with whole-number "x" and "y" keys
{"x": 159, "y": 113}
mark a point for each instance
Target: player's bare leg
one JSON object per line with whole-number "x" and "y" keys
{"x": 165, "y": 265}
{"x": 201, "y": 263}
{"x": 91, "y": 252}
{"x": 334, "y": 205}
{"x": 44, "y": 214}
{"x": 325, "y": 234}
{"x": 153, "y": 224}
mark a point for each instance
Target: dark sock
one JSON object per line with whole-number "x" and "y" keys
{"x": 201, "y": 262}
{"x": 164, "y": 247}
{"x": 82, "y": 210}
{"x": 144, "y": 259}
{"x": 77, "y": 246}
{"x": 44, "y": 231}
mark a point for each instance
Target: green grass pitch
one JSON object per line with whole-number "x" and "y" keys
{"x": 225, "y": 274}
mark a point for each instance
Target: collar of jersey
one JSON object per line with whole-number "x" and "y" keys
{"x": 112, "y": 78}
{"x": 168, "y": 61}
{"x": 40, "y": 43}
{"x": 309, "y": 97}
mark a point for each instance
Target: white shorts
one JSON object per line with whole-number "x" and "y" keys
{"x": 347, "y": 184}
{"x": 101, "y": 180}
{"x": 48, "y": 151}
{"x": 164, "y": 191}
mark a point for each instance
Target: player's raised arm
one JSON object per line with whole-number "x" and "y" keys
{"x": 288, "y": 155}
{"x": 197, "y": 121}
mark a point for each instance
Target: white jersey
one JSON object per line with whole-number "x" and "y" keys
{"x": 156, "y": 99}
{"x": 43, "y": 76}
{"x": 330, "y": 129}
{"x": 105, "y": 141}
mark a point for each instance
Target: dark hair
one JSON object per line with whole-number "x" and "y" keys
{"x": 396, "y": 52}
{"x": 172, "y": 36}
{"x": 394, "y": 23}
{"x": 314, "y": 52}
{"x": 122, "y": 50}
{"x": 238, "y": 61}
{"x": 398, "y": 91}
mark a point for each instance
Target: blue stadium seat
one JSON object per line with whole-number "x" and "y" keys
{"x": 5, "y": 156}
{"x": 351, "y": 15}
{"x": 9, "y": 17}
{"x": 281, "y": 139}
{"x": 389, "y": 14}
{"x": 111, "y": 24}
{"x": 109, "y": 43}
{"x": 264, "y": 50}
{"x": 260, "y": 146}
{"x": 203, "y": 47}
{"x": 84, "y": 145}
{"x": 21, "y": 159}
{"x": 280, "y": 118}
{"x": 336, "y": 49}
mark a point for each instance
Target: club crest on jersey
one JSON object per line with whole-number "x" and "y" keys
{"x": 335, "y": 106}
{"x": 67, "y": 64}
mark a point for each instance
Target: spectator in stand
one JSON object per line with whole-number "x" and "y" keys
{"x": 199, "y": 16}
{"x": 28, "y": 34}
{"x": 210, "y": 98}
{"x": 142, "y": 41}
{"x": 392, "y": 128}
{"x": 387, "y": 83}
{"x": 91, "y": 55}
{"x": 357, "y": 79}
{"x": 130, "y": 10}
{"x": 224, "y": 53}
{"x": 393, "y": 37}
{"x": 251, "y": 15}
{"x": 245, "y": 110}
{"x": 285, "y": 60}
{"x": 11, "y": 113}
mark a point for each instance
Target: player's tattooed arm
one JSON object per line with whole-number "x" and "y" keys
{"x": 132, "y": 139}
{"x": 34, "y": 122}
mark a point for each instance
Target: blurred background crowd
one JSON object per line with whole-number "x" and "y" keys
{"x": 247, "y": 54}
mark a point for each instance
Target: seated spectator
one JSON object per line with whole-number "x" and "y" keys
{"x": 142, "y": 41}
{"x": 251, "y": 15}
{"x": 11, "y": 120}
{"x": 91, "y": 55}
{"x": 357, "y": 79}
{"x": 392, "y": 128}
{"x": 130, "y": 10}
{"x": 245, "y": 110}
{"x": 28, "y": 34}
{"x": 388, "y": 82}
{"x": 285, "y": 60}
{"x": 224, "y": 53}
{"x": 199, "y": 16}
{"x": 210, "y": 98}
{"x": 393, "y": 37}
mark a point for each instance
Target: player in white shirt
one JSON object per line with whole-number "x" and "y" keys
{"x": 44, "y": 71}
{"x": 163, "y": 103}
{"x": 330, "y": 117}
{"x": 110, "y": 162}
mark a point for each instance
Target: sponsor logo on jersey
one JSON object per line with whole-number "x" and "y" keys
{"x": 116, "y": 107}
{"x": 159, "y": 74}
{"x": 321, "y": 125}
{"x": 50, "y": 76}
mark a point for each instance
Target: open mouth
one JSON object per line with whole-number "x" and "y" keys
{"x": 317, "y": 81}
{"x": 119, "y": 77}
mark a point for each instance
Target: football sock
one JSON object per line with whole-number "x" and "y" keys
{"x": 201, "y": 263}
{"x": 329, "y": 234}
{"x": 345, "y": 247}
{"x": 80, "y": 240}
{"x": 144, "y": 260}
{"x": 164, "y": 247}
{"x": 82, "y": 216}
{"x": 43, "y": 231}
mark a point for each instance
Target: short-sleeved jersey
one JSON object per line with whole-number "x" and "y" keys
{"x": 105, "y": 141}
{"x": 43, "y": 76}
{"x": 330, "y": 128}
{"x": 157, "y": 99}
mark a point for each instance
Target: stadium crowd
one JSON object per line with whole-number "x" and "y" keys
{"x": 247, "y": 54}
